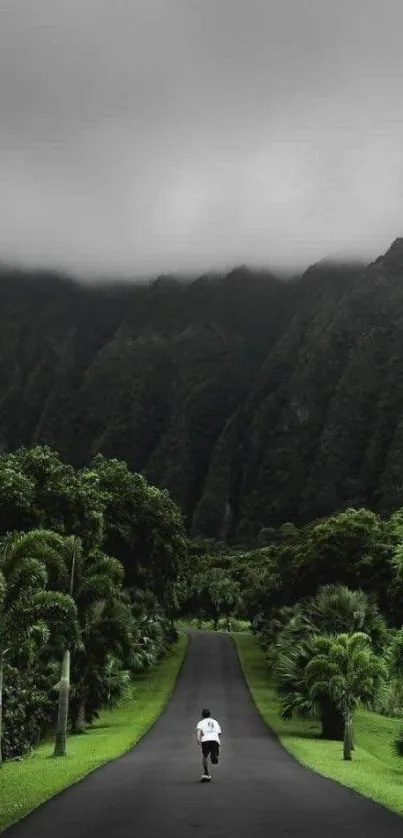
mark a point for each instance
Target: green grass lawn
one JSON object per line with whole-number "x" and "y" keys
{"x": 374, "y": 771}
{"x": 25, "y": 785}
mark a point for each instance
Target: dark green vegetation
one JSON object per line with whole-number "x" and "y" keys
{"x": 253, "y": 400}
{"x": 111, "y": 735}
{"x": 376, "y": 771}
{"x": 268, "y": 414}
{"x": 325, "y": 602}
{"x": 90, "y": 579}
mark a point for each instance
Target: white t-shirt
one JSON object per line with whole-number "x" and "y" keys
{"x": 210, "y": 730}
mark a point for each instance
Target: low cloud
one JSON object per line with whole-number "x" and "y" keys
{"x": 179, "y": 135}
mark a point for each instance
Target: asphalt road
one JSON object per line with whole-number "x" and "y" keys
{"x": 256, "y": 790}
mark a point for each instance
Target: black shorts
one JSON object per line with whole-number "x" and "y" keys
{"x": 211, "y": 747}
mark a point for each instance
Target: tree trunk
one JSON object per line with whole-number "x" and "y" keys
{"x": 64, "y": 683}
{"x": 347, "y": 741}
{"x": 332, "y": 721}
{"x": 64, "y": 690}
{"x": 1, "y": 706}
{"x": 80, "y": 724}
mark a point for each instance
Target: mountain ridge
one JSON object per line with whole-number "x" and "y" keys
{"x": 253, "y": 399}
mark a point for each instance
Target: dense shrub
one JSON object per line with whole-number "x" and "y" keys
{"x": 29, "y": 708}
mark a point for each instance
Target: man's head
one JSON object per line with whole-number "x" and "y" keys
{"x": 205, "y": 714}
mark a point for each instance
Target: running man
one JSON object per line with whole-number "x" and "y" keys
{"x": 208, "y": 734}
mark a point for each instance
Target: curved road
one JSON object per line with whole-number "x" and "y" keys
{"x": 257, "y": 790}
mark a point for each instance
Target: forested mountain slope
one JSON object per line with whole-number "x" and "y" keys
{"x": 252, "y": 399}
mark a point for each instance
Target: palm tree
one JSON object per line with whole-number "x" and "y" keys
{"x": 106, "y": 634}
{"x": 334, "y": 609}
{"x": 66, "y": 549}
{"x": 105, "y": 623}
{"x": 94, "y": 582}
{"x": 27, "y": 607}
{"x": 57, "y": 555}
{"x": 295, "y": 650}
{"x": 62, "y": 559}
{"x": 346, "y": 667}
{"x": 337, "y": 608}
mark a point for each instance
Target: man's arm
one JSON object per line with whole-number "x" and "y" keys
{"x": 199, "y": 735}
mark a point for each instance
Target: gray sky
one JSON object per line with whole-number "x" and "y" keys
{"x": 142, "y": 136}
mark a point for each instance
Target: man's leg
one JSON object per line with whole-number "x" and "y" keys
{"x": 215, "y": 752}
{"x": 205, "y": 752}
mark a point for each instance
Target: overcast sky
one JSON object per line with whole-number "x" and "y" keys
{"x": 141, "y": 136}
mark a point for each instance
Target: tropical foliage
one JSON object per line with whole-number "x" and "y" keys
{"x": 99, "y": 565}
{"x": 77, "y": 622}
{"x": 344, "y": 668}
{"x": 325, "y": 601}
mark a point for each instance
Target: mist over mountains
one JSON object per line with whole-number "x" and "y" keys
{"x": 254, "y": 400}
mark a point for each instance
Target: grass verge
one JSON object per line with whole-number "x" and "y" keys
{"x": 375, "y": 771}
{"x": 113, "y": 734}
